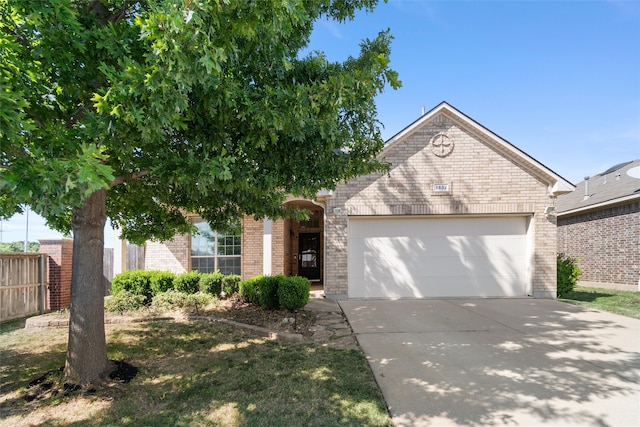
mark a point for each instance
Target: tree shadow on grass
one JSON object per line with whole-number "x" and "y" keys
{"x": 584, "y": 296}
{"x": 201, "y": 373}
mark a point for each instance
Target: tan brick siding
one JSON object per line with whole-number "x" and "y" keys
{"x": 606, "y": 242}
{"x": 173, "y": 255}
{"x": 277, "y": 247}
{"x": 483, "y": 181}
{"x": 252, "y": 241}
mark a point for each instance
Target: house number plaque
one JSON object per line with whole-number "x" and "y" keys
{"x": 441, "y": 188}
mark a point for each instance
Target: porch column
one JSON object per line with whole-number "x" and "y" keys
{"x": 266, "y": 246}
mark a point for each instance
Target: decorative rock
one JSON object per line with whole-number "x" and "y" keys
{"x": 348, "y": 342}
{"x": 322, "y": 336}
{"x": 344, "y": 332}
{"x": 329, "y": 319}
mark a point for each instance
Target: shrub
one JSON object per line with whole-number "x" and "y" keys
{"x": 293, "y": 292}
{"x": 124, "y": 301}
{"x": 248, "y": 289}
{"x": 267, "y": 288}
{"x": 173, "y": 300}
{"x": 230, "y": 284}
{"x": 169, "y": 300}
{"x": 211, "y": 283}
{"x": 197, "y": 301}
{"x": 568, "y": 273}
{"x": 137, "y": 282}
{"x": 161, "y": 281}
{"x": 187, "y": 282}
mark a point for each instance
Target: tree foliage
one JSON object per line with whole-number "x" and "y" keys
{"x": 142, "y": 110}
{"x": 19, "y": 247}
{"x": 176, "y": 106}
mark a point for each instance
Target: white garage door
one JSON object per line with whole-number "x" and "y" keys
{"x": 438, "y": 257}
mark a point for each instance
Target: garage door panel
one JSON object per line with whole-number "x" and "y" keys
{"x": 458, "y": 286}
{"x": 437, "y": 227}
{"x": 382, "y": 264}
{"x": 406, "y": 247}
{"x": 472, "y": 270}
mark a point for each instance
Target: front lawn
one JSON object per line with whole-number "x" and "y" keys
{"x": 620, "y": 302}
{"x": 190, "y": 373}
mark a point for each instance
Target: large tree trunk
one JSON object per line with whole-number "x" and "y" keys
{"x": 87, "y": 350}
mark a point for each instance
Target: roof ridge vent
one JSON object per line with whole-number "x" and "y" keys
{"x": 616, "y": 167}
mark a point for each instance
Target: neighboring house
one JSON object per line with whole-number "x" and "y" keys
{"x": 462, "y": 213}
{"x": 599, "y": 224}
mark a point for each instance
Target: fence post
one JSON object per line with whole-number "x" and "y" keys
{"x": 42, "y": 290}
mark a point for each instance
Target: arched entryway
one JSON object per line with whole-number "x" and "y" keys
{"x": 304, "y": 243}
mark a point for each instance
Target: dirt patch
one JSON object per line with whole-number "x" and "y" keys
{"x": 299, "y": 321}
{"x": 51, "y": 385}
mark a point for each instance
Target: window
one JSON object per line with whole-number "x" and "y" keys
{"x": 211, "y": 250}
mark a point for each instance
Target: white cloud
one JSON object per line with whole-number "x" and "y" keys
{"x": 333, "y": 28}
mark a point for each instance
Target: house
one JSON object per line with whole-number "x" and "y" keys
{"x": 461, "y": 213}
{"x": 599, "y": 224}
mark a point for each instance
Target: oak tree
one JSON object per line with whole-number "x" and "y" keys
{"x": 141, "y": 110}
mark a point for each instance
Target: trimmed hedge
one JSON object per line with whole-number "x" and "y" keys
{"x": 273, "y": 292}
{"x": 152, "y": 283}
{"x": 268, "y": 292}
{"x": 568, "y": 273}
{"x": 248, "y": 289}
{"x": 138, "y": 282}
{"x": 161, "y": 281}
{"x": 187, "y": 282}
{"x": 230, "y": 285}
{"x": 211, "y": 283}
{"x": 293, "y": 292}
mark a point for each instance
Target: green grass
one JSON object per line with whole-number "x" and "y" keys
{"x": 620, "y": 302}
{"x": 194, "y": 373}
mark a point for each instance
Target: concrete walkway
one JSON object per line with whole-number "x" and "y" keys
{"x": 501, "y": 362}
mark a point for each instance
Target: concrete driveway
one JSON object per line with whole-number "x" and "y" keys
{"x": 500, "y": 362}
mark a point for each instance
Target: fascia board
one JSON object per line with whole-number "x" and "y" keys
{"x": 604, "y": 204}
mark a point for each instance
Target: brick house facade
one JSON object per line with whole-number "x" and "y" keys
{"x": 60, "y": 256}
{"x": 600, "y": 226}
{"x": 447, "y": 173}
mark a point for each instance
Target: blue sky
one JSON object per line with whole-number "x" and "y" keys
{"x": 558, "y": 79}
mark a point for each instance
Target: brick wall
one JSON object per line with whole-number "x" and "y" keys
{"x": 485, "y": 179}
{"x": 60, "y": 252}
{"x": 252, "y": 241}
{"x": 606, "y": 241}
{"x": 172, "y": 255}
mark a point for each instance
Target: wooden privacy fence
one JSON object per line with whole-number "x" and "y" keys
{"x": 23, "y": 286}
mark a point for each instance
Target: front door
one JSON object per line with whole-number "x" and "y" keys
{"x": 309, "y": 255}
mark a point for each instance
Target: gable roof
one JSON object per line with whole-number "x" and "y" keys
{"x": 557, "y": 184}
{"x": 618, "y": 184}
